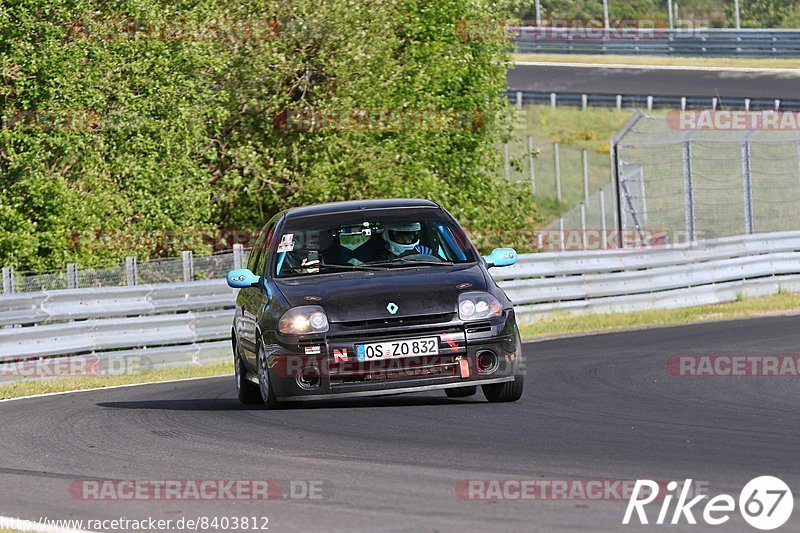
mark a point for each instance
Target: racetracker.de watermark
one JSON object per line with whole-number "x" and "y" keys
{"x": 379, "y": 120}
{"x": 75, "y": 366}
{"x": 574, "y": 29}
{"x": 712, "y": 120}
{"x": 175, "y": 29}
{"x": 742, "y": 365}
{"x": 197, "y": 489}
{"x": 557, "y": 489}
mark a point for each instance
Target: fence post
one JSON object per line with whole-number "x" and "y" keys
{"x": 688, "y": 191}
{"x": 669, "y": 8}
{"x": 561, "y": 232}
{"x": 747, "y": 188}
{"x": 72, "y": 276}
{"x": 603, "y": 236}
{"x": 558, "y": 171}
{"x": 538, "y": 14}
{"x": 585, "y": 176}
{"x": 606, "y": 23}
{"x": 238, "y": 256}
{"x": 188, "y": 265}
{"x": 507, "y": 160}
{"x": 8, "y": 281}
{"x": 736, "y": 10}
{"x": 131, "y": 270}
{"x": 584, "y": 244}
{"x": 531, "y": 165}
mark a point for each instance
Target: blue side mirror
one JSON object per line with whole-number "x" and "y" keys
{"x": 242, "y": 279}
{"x": 501, "y": 257}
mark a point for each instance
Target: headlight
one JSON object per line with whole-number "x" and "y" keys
{"x": 478, "y": 305}
{"x": 303, "y": 320}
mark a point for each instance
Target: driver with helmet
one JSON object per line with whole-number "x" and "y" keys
{"x": 402, "y": 238}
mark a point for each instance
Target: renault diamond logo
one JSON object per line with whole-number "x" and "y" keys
{"x": 392, "y": 308}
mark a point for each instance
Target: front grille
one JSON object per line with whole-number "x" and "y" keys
{"x": 399, "y": 322}
{"x": 401, "y": 331}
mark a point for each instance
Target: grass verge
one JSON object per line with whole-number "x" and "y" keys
{"x": 567, "y": 324}
{"x": 32, "y": 387}
{"x": 660, "y": 61}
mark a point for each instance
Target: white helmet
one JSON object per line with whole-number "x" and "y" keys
{"x": 401, "y": 236}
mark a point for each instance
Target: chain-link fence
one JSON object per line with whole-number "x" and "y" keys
{"x": 188, "y": 267}
{"x": 740, "y": 175}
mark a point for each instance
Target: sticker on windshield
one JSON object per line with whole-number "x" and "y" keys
{"x": 287, "y": 243}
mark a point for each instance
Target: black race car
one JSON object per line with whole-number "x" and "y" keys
{"x": 368, "y": 298}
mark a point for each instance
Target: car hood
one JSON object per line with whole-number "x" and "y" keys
{"x": 361, "y": 295}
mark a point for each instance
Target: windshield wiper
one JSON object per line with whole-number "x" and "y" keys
{"x": 408, "y": 263}
{"x": 348, "y": 267}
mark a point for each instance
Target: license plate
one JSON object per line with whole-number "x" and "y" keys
{"x": 392, "y": 349}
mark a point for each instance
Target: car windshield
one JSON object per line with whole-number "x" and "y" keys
{"x": 319, "y": 245}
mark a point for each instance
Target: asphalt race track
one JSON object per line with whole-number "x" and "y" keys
{"x": 660, "y": 82}
{"x": 596, "y": 407}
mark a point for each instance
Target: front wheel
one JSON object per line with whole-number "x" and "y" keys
{"x": 247, "y": 391}
{"x": 510, "y": 391}
{"x": 267, "y": 394}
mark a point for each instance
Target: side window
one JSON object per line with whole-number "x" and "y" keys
{"x": 263, "y": 255}
{"x": 260, "y": 252}
{"x": 253, "y": 259}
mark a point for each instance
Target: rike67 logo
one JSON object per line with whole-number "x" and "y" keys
{"x": 765, "y": 503}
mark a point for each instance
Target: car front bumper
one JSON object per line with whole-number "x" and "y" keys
{"x": 330, "y": 360}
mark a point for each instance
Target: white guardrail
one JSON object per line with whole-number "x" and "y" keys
{"x": 189, "y": 323}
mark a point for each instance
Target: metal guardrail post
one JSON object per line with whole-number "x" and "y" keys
{"x": 519, "y": 99}
{"x": 238, "y": 256}
{"x": 131, "y": 270}
{"x": 8, "y": 281}
{"x": 188, "y": 265}
{"x": 736, "y": 12}
{"x": 584, "y": 243}
{"x": 747, "y": 187}
{"x": 561, "y": 233}
{"x": 72, "y": 276}
{"x": 553, "y": 99}
{"x": 688, "y": 191}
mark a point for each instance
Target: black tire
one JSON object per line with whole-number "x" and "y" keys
{"x": 248, "y": 392}
{"x": 510, "y": 391}
{"x": 264, "y": 383}
{"x": 461, "y": 392}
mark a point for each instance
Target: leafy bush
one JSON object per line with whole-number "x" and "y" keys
{"x": 125, "y": 120}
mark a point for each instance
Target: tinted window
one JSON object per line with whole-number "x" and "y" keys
{"x": 321, "y": 244}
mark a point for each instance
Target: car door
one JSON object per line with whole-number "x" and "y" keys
{"x": 251, "y": 299}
